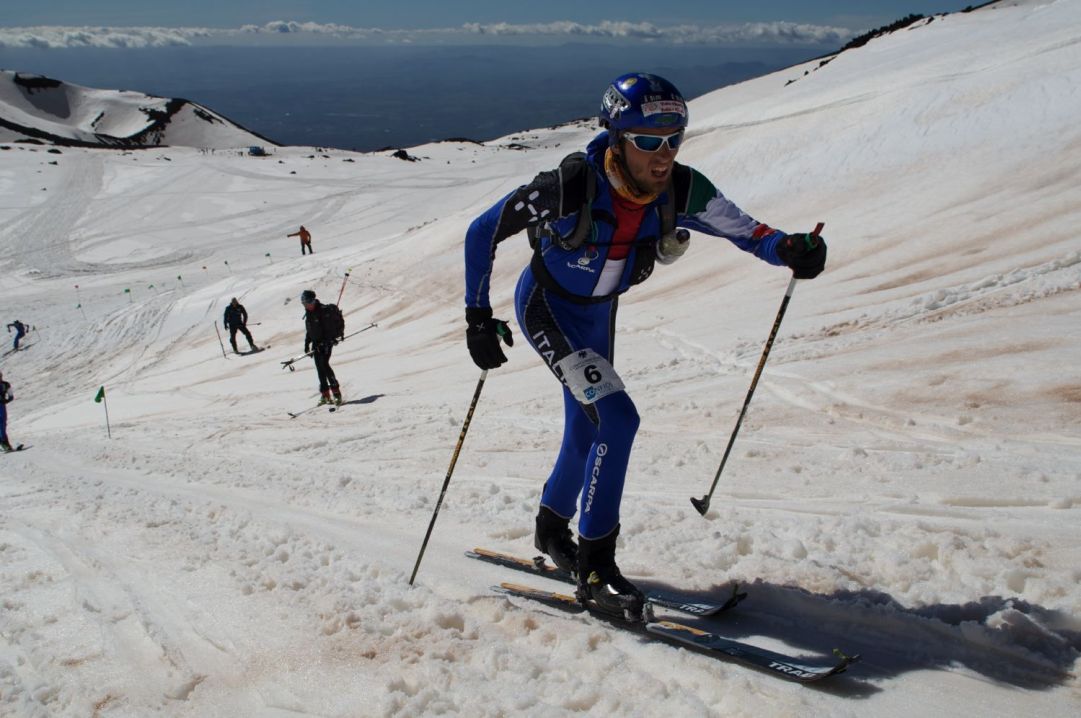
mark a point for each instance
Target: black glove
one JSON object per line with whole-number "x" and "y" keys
{"x": 805, "y": 254}
{"x": 482, "y": 334}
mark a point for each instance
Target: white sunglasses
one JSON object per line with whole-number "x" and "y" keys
{"x": 652, "y": 143}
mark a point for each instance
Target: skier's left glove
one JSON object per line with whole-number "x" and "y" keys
{"x": 804, "y": 253}
{"x": 672, "y": 246}
{"x": 482, "y": 335}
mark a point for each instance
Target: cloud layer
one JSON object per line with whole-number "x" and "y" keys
{"x": 781, "y": 33}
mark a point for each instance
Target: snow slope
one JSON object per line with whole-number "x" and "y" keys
{"x": 907, "y": 483}
{"x": 40, "y": 108}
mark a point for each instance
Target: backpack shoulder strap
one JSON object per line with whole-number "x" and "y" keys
{"x": 584, "y": 226}
{"x": 678, "y": 191}
{"x": 577, "y": 189}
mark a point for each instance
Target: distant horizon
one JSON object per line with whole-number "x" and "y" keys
{"x": 412, "y": 20}
{"x": 372, "y": 98}
{"x": 405, "y": 72}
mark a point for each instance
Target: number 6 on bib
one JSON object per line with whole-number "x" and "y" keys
{"x": 589, "y": 376}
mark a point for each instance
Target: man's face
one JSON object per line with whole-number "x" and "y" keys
{"x": 649, "y": 170}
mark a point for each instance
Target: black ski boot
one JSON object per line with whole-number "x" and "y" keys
{"x": 601, "y": 587}
{"x": 554, "y": 538}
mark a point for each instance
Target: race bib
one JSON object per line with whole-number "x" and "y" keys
{"x": 589, "y": 376}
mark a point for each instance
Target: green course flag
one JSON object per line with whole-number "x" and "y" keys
{"x": 101, "y": 394}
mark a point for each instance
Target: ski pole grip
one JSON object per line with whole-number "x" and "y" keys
{"x": 812, "y": 237}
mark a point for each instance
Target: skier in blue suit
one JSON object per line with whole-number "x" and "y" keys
{"x": 598, "y": 224}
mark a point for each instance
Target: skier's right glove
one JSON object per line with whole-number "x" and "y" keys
{"x": 482, "y": 335}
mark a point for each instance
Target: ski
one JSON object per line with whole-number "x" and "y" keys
{"x": 330, "y": 407}
{"x": 295, "y": 414}
{"x": 20, "y": 447}
{"x": 711, "y": 643}
{"x": 538, "y": 566}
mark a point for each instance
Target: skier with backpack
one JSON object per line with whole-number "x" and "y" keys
{"x": 324, "y": 327}
{"x": 598, "y": 224}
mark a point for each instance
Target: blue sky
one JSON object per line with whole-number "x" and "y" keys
{"x": 411, "y": 14}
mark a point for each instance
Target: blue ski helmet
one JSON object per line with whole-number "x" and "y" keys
{"x": 641, "y": 100}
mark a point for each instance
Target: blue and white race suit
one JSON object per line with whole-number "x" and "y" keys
{"x": 566, "y": 302}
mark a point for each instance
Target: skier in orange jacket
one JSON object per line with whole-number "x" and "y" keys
{"x": 305, "y": 239}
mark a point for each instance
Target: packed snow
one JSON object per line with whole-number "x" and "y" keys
{"x": 906, "y": 485}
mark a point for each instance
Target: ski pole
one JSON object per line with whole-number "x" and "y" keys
{"x": 342, "y": 290}
{"x": 446, "y": 481}
{"x": 288, "y": 363}
{"x": 108, "y": 428}
{"x": 223, "y": 355}
{"x": 702, "y": 504}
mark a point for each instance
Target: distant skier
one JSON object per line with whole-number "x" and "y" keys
{"x": 324, "y": 327}
{"x": 5, "y": 397}
{"x": 305, "y": 240}
{"x": 631, "y": 196}
{"x": 235, "y": 320}
{"x": 20, "y": 332}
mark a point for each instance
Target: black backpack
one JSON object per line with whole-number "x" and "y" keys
{"x": 334, "y": 321}
{"x": 578, "y": 187}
